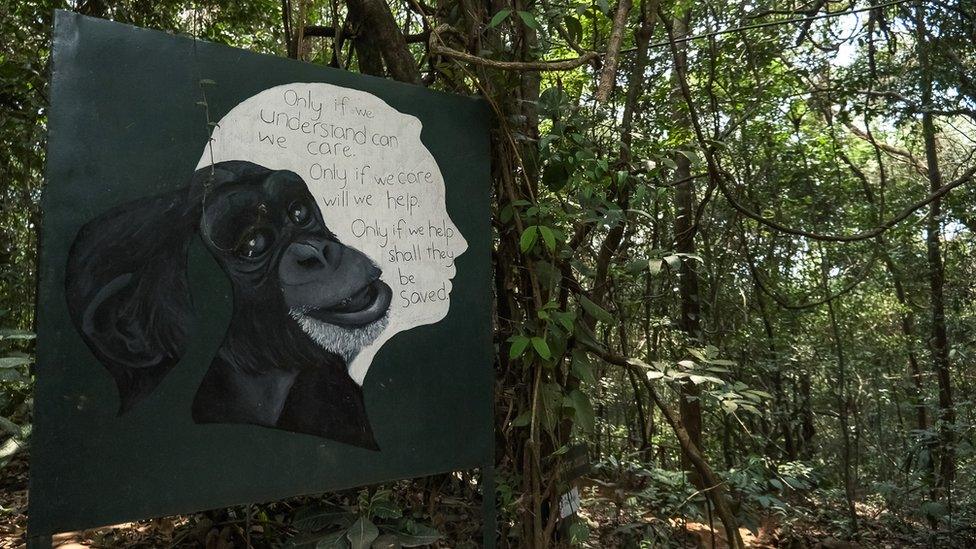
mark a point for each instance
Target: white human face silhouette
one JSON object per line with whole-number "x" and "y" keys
{"x": 378, "y": 187}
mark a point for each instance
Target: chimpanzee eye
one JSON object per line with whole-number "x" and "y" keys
{"x": 254, "y": 243}
{"x": 299, "y": 213}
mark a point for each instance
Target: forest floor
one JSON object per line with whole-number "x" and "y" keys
{"x": 610, "y": 526}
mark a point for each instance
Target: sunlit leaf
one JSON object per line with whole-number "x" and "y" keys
{"x": 499, "y": 17}
{"x": 528, "y": 239}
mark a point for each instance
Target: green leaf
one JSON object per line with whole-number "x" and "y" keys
{"x": 933, "y": 509}
{"x": 331, "y": 540}
{"x": 551, "y": 397}
{"x": 529, "y": 236}
{"x": 386, "y": 541}
{"x": 385, "y": 509}
{"x": 548, "y": 237}
{"x": 16, "y": 334}
{"x": 579, "y": 532}
{"x": 550, "y": 100}
{"x": 11, "y": 374}
{"x": 549, "y": 275}
{"x": 582, "y": 408}
{"x": 336, "y": 540}
{"x": 622, "y": 177}
{"x": 523, "y": 419}
{"x": 639, "y": 363}
{"x": 556, "y": 175}
{"x": 10, "y": 427}
{"x": 582, "y": 368}
{"x": 316, "y": 517}
{"x": 565, "y": 319}
{"x": 14, "y": 361}
{"x": 694, "y": 257}
{"x": 698, "y": 380}
{"x": 362, "y": 533}
{"x": 636, "y": 266}
{"x": 692, "y": 157}
{"x": 595, "y": 310}
{"x": 519, "y": 344}
{"x": 585, "y": 336}
{"x": 574, "y": 29}
{"x": 507, "y": 213}
{"x": 499, "y": 17}
{"x": 529, "y": 20}
{"x": 541, "y": 348}
{"x": 697, "y": 354}
{"x": 414, "y": 534}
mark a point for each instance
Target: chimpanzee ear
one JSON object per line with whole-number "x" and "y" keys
{"x": 127, "y": 292}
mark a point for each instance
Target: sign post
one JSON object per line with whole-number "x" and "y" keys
{"x": 260, "y": 278}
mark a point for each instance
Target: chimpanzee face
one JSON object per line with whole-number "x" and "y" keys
{"x": 268, "y": 235}
{"x": 128, "y": 292}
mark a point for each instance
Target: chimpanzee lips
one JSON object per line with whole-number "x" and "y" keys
{"x": 359, "y": 309}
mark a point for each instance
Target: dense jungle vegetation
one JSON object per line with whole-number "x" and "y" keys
{"x": 735, "y": 253}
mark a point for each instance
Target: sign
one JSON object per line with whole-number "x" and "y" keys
{"x": 574, "y": 464}
{"x": 259, "y": 278}
{"x": 569, "y": 503}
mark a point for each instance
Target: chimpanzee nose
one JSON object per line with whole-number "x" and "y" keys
{"x": 305, "y": 260}
{"x": 314, "y": 255}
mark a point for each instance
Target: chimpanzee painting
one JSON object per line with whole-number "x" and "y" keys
{"x": 304, "y": 303}
{"x": 258, "y": 278}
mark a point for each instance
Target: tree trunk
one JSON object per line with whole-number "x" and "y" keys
{"x": 781, "y": 411}
{"x": 939, "y": 339}
{"x": 843, "y": 407}
{"x": 373, "y": 17}
{"x": 684, "y": 229}
{"x": 807, "y": 429}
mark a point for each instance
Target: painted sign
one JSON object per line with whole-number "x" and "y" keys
{"x": 259, "y": 278}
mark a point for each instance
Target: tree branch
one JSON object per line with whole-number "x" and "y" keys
{"x": 562, "y": 65}
{"x": 376, "y": 16}
{"x": 891, "y": 149}
{"x": 863, "y": 235}
{"x": 609, "y": 74}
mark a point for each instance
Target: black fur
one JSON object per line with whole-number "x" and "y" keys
{"x": 128, "y": 296}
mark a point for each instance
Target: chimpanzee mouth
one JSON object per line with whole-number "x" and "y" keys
{"x": 359, "y": 309}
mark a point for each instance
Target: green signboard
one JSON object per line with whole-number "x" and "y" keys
{"x": 259, "y": 278}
